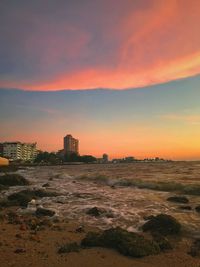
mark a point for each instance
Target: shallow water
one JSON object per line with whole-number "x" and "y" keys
{"x": 84, "y": 186}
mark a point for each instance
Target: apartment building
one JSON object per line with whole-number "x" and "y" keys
{"x": 71, "y": 145}
{"x": 20, "y": 151}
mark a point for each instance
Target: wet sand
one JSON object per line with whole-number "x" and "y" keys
{"x": 39, "y": 249}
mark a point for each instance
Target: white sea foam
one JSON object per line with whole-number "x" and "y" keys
{"x": 124, "y": 206}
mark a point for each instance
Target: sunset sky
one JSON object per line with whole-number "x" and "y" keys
{"x": 122, "y": 76}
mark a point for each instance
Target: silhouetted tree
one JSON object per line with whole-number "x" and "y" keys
{"x": 46, "y": 157}
{"x": 72, "y": 157}
{"x": 88, "y": 159}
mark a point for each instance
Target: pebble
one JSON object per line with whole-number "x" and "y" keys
{"x": 20, "y": 250}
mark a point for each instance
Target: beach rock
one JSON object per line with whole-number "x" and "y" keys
{"x": 23, "y": 197}
{"x": 195, "y": 249}
{"x": 46, "y": 185}
{"x": 163, "y": 224}
{"x": 23, "y": 227}
{"x": 69, "y": 247}
{"x": 44, "y": 212}
{"x": 162, "y": 241}
{"x": 127, "y": 243}
{"x": 178, "y": 199}
{"x": 13, "y": 180}
{"x": 20, "y": 250}
{"x": 95, "y": 211}
{"x": 197, "y": 208}
{"x": 80, "y": 229}
{"x": 9, "y": 168}
{"x": 185, "y": 208}
{"x": 3, "y": 187}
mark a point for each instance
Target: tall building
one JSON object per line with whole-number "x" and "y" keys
{"x": 71, "y": 145}
{"x": 20, "y": 151}
{"x": 105, "y": 158}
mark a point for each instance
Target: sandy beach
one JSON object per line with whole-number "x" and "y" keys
{"x": 22, "y": 247}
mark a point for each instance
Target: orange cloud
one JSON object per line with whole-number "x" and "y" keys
{"x": 152, "y": 44}
{"x": 120, "y": 79}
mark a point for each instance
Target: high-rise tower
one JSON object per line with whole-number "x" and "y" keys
{"x": 71, "y": 145}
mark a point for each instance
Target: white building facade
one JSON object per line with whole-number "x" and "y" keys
{"x": 20, "y": 151}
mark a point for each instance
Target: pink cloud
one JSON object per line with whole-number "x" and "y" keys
{"x": 144, "y": 45}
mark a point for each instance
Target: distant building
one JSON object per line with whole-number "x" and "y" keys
{"x": 125, "y": 160}
{"x": 20, "y": 151}
{"x": 71, "y": 145}
{"x": 129, "y": 159}
{"x": 105, "y": 158}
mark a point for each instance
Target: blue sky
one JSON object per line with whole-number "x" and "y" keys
{"x": 155, "y": 120}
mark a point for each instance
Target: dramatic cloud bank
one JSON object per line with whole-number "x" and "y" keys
{"x": 51, "y": 45}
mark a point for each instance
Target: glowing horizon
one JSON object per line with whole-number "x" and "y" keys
{"x": 157, "y": 121}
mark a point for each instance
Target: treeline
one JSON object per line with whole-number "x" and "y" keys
{"x": 53, "y": 158}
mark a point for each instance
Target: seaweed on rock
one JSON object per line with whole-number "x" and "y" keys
{"x": 163, "y": 224}
{"x": 13, "y": 180}
{"x": 127, "y": 243}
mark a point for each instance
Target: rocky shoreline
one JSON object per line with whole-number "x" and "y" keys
{"x": 41, "y": 238}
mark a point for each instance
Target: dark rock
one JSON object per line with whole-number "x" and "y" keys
{"x": 95, "y": 211}
{"x": 80, "y": 229}
{"x": 5, "y": 203}
{"x": 3, "y": 187}
{"x": 43, "y": 193}
{"x": 10, "y": 168}
{"x": 13, "y": 180}
{"x": 163, "y": 224}
{"x": 185, "y": 208}
{"x": 127, "y": 243}
{"x": 20, "y": 250}
{"x": 92, "y": 239}
{"x": 69, "y": 247}
{"x": 162, "y": 241}
{"x": 178, "y": 199}
{"x": 23, "y": 197}
{"x": 195, "y": 249}
{"x": 46, "y": 185}
{"x": 197, "y": 208}
{"x": 44, "y": 212}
